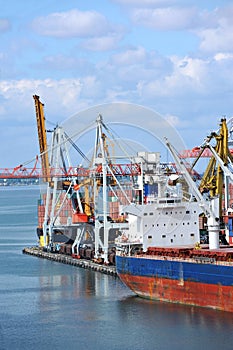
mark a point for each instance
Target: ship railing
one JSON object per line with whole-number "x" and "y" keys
{"x": 199, "y": 260}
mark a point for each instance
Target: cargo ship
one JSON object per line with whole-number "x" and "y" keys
{"x": 163, "y": 256}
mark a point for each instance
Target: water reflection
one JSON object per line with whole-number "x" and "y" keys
{"x": 75, "y": 283}
{"x": 98, "y": 311}
{"x": 182, "y": 326}
{"x": 79, "y": 285}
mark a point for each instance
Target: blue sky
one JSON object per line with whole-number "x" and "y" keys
{"x": 172, "y": 56}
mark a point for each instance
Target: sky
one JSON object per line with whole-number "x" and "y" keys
{"x": 174, "y": 57}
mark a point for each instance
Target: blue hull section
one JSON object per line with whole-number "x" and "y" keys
{"x": 176, "y": 270}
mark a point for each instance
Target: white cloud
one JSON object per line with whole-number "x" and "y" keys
{"x": 125, "y": 69}
{"x": 167, "y": 18}
{"x": 195, "y": 68}
{"x": 217, "y": 39}
{"x": 66, "y": 91}
{"x": 214, "y": 27}
{"x": 217, "y": 35}
{"x": 62, "y": 97}
{"x": 130, "y": 56}
{"x": 187, "y": 77}
{"x": 135, "y": 74}
{"x": 223, "y": 56}
{"x": 73, "y": 23}
{"x": 102, "y": 43}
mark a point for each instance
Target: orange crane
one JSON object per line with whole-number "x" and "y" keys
{"x": 39, "y": 106}
{"x": 83, "y": 209}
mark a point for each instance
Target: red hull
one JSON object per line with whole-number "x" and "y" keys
{"x": 191, "y": 293}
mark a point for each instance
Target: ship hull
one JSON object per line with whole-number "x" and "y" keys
{"x": 200, "y": 284}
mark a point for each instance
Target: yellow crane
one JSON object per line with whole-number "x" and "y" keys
{"x": 213, "y": 178}
{"x": 40, "y": 118}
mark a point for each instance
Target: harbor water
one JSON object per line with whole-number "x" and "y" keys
{"x": 49, "y": 305}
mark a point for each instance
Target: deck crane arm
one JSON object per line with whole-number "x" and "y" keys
{"x": 223, "y": 166}
{"x": 195, "y": 191}
{"x": 210, "y": 210}
{"x": 42, "y": 138}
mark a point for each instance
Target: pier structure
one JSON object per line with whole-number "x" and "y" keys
{"x": 69, "y": 260}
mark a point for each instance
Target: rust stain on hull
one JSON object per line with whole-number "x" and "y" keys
{"x": 184, "y": 292}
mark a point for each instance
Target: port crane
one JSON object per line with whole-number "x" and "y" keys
{"x": 217, "y": 169}
{"x": 39, "y": 106}
{"x": 215, "y": 181}
{"x": 64, "y": 209}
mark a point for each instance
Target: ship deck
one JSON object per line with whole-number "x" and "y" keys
{"x": 203, "y": 255}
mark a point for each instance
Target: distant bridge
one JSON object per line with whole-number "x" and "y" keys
{"x": 23, "y": 172}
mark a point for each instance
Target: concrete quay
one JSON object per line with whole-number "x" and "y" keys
{"x": 66, "y": 259}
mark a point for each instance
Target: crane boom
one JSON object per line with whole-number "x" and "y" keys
{"x": 42, "y": 138}
{"x": 211, "y": 210}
